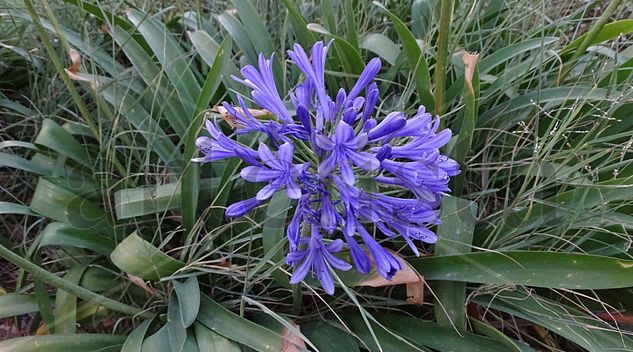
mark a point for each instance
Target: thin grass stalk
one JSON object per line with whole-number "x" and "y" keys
{"x": 446, "y": 9}
{"x": 59, "y": 67}
{"x": 52, "y": 54}
{"x": 591, "y": 35}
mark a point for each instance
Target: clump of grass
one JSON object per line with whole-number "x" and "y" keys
{"x": 534, "y": 249}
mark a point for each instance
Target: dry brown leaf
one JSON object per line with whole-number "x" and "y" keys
{"x": 292, "y": 341}
{"x": 413, "y": 281}
{"x": 470, "y": 62}
{"x": 73, "y": 70}
{"x": 42, "y": 330}
{"x": 230, "y": 119}
{"x": 142, "y": 284}
{"x": 75, "y": 59}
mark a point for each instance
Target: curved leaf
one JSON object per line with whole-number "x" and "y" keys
{"x": 140, "y": 258}
{"x": 236, "y": 328}
{"x": 64, "y": 343}
{"x": 530, "y": 268}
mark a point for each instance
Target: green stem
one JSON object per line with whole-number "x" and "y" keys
{"x": 446, "y": 10}
{"x": 52, "y": 54}
{"x": 74, "y": 289}
{"x": 78, "y": 100}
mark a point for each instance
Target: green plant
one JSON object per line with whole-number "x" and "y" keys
{"x": 536, "y": 229}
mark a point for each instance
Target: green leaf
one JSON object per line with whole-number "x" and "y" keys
{"x": 132, "y": 202}
{"x": 530, "y": 268}
{"x": 274, "y": 230}
{"x": 66, "y": 206}
{"x": 255, "y": 27}
{"x": 159, "y": 342}
{"x": 140, "y": 258}
{"x": 56, "y": 281}
{"x": 208, "y": 49}
{"x": 188, "y": 292}
{"x": 129, "y": 106}
{"x": 239, "y": 34}
{"x": 14, "y": 304}
{"x": 208, "y": 340}
{"x": 175, "y": 328}
{"x": 13, "y": 208}
{"x": 191, "y": 176}
{"x": 20, "y": 163}
{"x": 488, "y": 330}
{"x": 54, "y": 137}
{"x": 350, "y": 21}
{"x": 417, "y": 62}
{"x": 470, "y": 97}
{"x": 134, "y": 341}
{"x": 158, "y": 87}
{"x": 170, "y": 54}
{"x": 64, "y": 343}
{"x": 299, "y": 24}
{"x": 66, "y": 303}
{"x": 505, "y": 54}
{"x": 232, "y": 326}
{"x": 352, "y": 61}
{"x": 564, "y": 205}
{"x": 388, "y": 340}
{"x": 382, "y": 46}
{"x": 60, "y": 234}
{"x": 329, "y": 338}
{"x": 429, "y": 334}
{"x": 588, "y": 332}
{"x": 455, "y": 236}
{"x": 608, "y": 32}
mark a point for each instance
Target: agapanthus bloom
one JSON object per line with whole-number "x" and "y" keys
{"x": 353, "y": 171}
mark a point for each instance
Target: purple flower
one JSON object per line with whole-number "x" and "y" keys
{"x": 317, "y": 258}
{"x": 240, "y": 208}
{"x": 278, "y": 171}
{"x": 264, "y": 91}
{"x": 219, "y": 146}
{"x": 344, "y": 148}
{"x": 317, "y": 153}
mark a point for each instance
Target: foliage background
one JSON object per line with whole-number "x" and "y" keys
{"x": 112, "y": 239}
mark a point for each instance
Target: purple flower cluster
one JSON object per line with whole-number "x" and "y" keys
{"x": 348, "y": 170}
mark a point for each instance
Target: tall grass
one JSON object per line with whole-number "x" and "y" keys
{"x": 119, "y": 225}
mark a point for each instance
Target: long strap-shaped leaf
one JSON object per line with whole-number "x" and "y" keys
{"x": 530, "y": 268}
{"x": 236, "y": 328}
{"x": 64, "y": 343}
{"x": 417, "y": 63}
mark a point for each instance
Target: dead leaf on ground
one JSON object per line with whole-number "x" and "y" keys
{"x": 408, "y": 276}
{"x": 292, "y": 341}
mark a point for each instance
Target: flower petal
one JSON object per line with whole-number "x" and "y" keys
{"x": 240, "y": 208}
{"x": 284, "y": 153}
{"x": 292, "y": 190}
{"x": 346, "y": 171}
{"x": 326, "y": 166}
{"x": 343, "y": 133}
{"x": 364, "y": 160}
{"x": 267, "y": 191}
{"x": 258, "y": 174}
